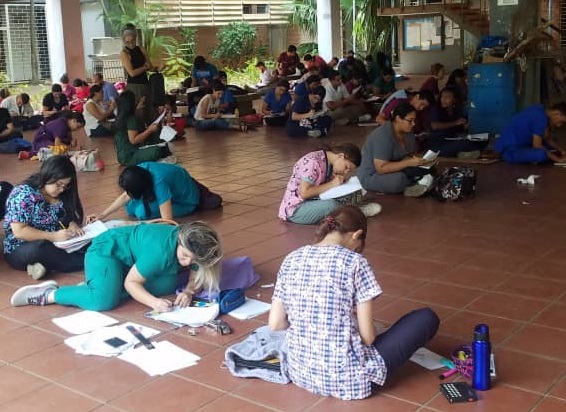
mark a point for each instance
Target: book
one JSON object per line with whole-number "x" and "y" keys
{"x": 250, "y": 309}
{"x": 348, "y": 187}
{"x": 91, "y": 230}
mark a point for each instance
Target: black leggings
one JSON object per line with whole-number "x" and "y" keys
{"x": 404, "y": 337}
{"x": 43, "y": 251}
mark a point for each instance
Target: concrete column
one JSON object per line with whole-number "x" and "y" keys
{"x": 329, "y": 28}
{"x": 65, "y": 39}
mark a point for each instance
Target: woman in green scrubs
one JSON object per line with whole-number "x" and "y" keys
{"x": 140, "y": 261}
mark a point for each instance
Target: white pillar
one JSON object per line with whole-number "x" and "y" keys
{"x": 329, "y": 28}
{"x": 55, "y": 39}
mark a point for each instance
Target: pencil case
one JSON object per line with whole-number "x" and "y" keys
{"x": 231, "y": 299}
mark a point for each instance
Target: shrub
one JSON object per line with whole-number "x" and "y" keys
{"x": 236, "y": 44}
{"x": 307, "y": 48}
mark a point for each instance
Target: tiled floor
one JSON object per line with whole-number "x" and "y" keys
{"x": 499, "y": 258}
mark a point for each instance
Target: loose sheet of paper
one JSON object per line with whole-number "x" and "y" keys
{"x": 250, "y": 309}
{"x": 167, "y": 133}
{"x": 83, "y": 322}
{"x": 91, "y": 231}
{"x": 192, "y": 316}
{"x": 427, "y": 359}
{"x": 349, "y": 186}
{"x": 165, "y": 358}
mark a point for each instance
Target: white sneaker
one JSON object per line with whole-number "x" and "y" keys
{"x": 419, "y": 188}
{"x": 34, "y": 294}
{"x": 364, "y": 118}
{"x": 36, "y": 271}
{"x": 314, "y": 133}
{"x": 426, "y": 180}
{"x": 371, "y": 209}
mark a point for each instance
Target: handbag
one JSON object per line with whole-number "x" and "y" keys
{"x": 231, "y": 299}
{"x": 87, "y": 160}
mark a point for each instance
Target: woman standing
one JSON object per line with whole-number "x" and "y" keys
{"x": 96, "y": 116}
{"x": 45, "y": 208}
{"x": 138, "y": 261}
{"x": 324, "y": 299}
{"x": 388, "y": 161}
{"x": 131, "y": 136}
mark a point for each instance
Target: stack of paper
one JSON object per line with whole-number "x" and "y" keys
{"x": 250, "y": 309}
{"x": 192, "y": 316}
{"x": 91, "y": 231}
{"x": 108, "y": 341}
{"x": 83, "y": 322}
{"x": 348, "y": 187}
{"x": 165, "y": 358}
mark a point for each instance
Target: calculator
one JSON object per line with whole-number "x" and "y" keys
{"x": 458, "y": 392}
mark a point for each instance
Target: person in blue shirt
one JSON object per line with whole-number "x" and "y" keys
{"x": 227, "y": 101}
{"x": 307, "y": 117}
{"x": 526, "y": 138}
{"x": 109, "y": 92}
{"x": 203, "y": 73}
{"x": 304, "y": 88}
{"x": 276, "y": 104}
{"x": 153, "y": 190}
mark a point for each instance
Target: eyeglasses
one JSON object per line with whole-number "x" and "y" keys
{"x": 61, "y": 185}
{"x": 412, "y": 121}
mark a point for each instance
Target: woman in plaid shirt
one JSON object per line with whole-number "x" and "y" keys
{"x": 324, "y": 297}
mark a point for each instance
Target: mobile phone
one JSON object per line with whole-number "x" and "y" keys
{"x": 115, "y": 342}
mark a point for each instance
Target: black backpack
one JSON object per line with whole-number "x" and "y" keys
{"x": 157, "y": 95}
{"x": 5, "y": 189}
{"x": 455, "y": 183}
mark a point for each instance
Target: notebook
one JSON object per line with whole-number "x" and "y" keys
{"x": 91, "y": 231}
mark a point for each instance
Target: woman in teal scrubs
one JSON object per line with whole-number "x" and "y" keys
{"x": 153, "y": 190}
{"x": 139, "y": 261}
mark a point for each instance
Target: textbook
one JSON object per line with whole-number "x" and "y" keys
{"x": 348, "y": 187}
{"x": 91, "y": 230}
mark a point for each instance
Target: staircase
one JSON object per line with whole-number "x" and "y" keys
{"x": 472, "y": 16}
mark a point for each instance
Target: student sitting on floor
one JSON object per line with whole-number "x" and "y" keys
{"x": 307, "y": 116}
{"x": 204, "y": 73}
{"x": 21, "y": 111}
{"x": 315, "y": 173}
{"x": 45, "y": 208}
{"x": 11, "y": 140}
{"x": 384, "y": 85}
{"x": 447, "y": 123}
{"x": 324, "y": 299}
{"x": 431, "y": 84}
{"x": 132, "y": 136}
{"x": 154, "y": 190}
{"x": 96, "y": 115}
{"x": 276, "y": 104}
{"x": 388, "y": 161}
{"x": 120, "y": 264}
{"x": 527, "y": 139}
{"x": 458, "y": 82}
{"x": 172, "y": 119}
{"x": 54, "y": 103}
{"x": 419, "y": 100}
{"x": 208, "y": 115}
{"x": 342, "y": 106}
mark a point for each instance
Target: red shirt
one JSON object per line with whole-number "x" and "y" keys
{"x": 287, "y": 63}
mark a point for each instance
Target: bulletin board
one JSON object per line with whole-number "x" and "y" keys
{"x": 422, "y": 34}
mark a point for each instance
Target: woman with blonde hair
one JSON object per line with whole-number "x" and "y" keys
{"x": 139, "y": 261}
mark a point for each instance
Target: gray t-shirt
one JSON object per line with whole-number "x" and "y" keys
{"x": 381, "y": 144}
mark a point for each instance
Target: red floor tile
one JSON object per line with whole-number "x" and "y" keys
{"x": 507, "y": 306}
{"x": 550, "y": 405}
{"x": 462, "y": 324}
{"x": 539, "y": 340}
{"x": 15, "y": 383}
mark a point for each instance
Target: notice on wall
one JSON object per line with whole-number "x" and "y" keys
{"x": 507, "y": 2}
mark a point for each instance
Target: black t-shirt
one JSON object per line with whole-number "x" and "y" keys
{"x": 5, "y": 119}
{"x": 49, "y": 102}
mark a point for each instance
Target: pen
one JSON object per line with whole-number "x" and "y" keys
{"x": 447, "y": 374}
{"x": 140, "y": 337}
{"x": 62, "y": 225}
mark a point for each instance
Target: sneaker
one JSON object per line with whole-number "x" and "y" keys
{"x": 364, "y": 118}
{"x": 474, "y": 154}
{"x": 172, "y": 160}
{"x": 314, "y": 133}
{"x": 36, "y": 271}
{"x": 34, "y": 294}
{"x": 371, "y": 209}
{"x": 342, "y": 122}
{"x": 419, "y": 188}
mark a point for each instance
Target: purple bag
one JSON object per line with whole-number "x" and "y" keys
{"x": 236, "y": 273}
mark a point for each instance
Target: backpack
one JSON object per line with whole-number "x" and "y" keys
{"x": 157, "y": 95}
{"x": 455, "y": 183}
{"x": 5, "y": 189}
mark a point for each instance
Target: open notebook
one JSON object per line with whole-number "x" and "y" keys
{"x": 91, "y": 230}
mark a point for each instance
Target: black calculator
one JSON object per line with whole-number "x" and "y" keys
{"x": 458, "y": 392}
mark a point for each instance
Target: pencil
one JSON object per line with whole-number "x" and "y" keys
{"x": 62, "y": 225}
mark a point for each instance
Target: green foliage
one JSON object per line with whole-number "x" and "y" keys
{"x": 4, "y": 80}
{"x": 236, "y": 44}
{"x": 303, "y": 16}
{"x": 248, "y": 75}
{"x": 180, "y": 54}
{"x": 307, "y": 48}
{"x": 118, "y": 13}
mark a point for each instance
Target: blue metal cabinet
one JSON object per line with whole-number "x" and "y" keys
{"x": 491, "y": 96}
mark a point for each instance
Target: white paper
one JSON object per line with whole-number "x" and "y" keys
{"x": 92, "y": 343}
{"x": 427, "y": 359}
{"x": 167, "y": 133}
{"x": 531, "y": 180}
{"x": 373, "y": 99}
{"x": 192, "y": 316}
{"x": 456, "y": 33}
{"x": 164, "y": 358}
{"x": 250, "y": 309}
{"x": 193, "y": 89}
{"x": 478, "y": 137}
{"x": 449, "y": 41}
{"x": 160, "y": 118}
{"x": 350, "y": 186}
{"x": 83, "y": 322}
{"x": 91, "y": 231}
{"x": 372, "y": 124}
{"x": 430, "y": 155}
{"x": 318, "y": 114}
{"x": 228, "y": 116}
{"x": 114, "y": 223}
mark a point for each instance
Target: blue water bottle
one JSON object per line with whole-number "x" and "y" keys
{"x": 481, "y": 348}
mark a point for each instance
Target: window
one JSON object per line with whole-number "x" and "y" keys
{"x": 255, "y": 9}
